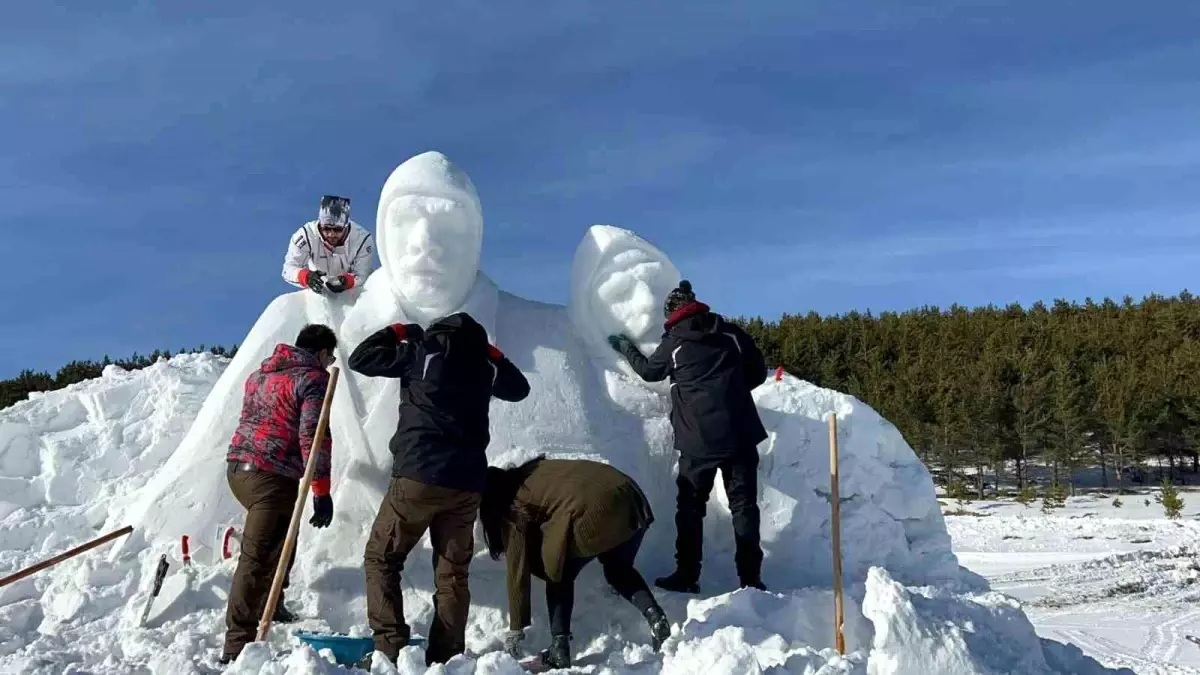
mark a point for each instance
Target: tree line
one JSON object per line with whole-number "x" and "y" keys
{"x": 984, "y": 395}
{"x": 18, "y": 388}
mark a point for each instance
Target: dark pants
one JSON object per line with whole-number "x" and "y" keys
{"x": 695, "y": 482}
{"x": 619, "y": 572}
{"x": 269, "y": 499}
{"x": 406, "y": 512}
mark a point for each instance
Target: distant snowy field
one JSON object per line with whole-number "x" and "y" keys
{"x": 1120, "y": 583}
{"x": 68, "y": 459}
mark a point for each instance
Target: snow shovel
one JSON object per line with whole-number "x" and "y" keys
{"x": 289, "y": 544}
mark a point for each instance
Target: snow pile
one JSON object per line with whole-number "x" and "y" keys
{"x": 66, "y": 458}
{"x": 83, "y": 613}
{"x": 930, "y": 630}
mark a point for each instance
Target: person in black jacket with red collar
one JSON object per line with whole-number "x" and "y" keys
{"x": 713, "y": 365}
{"x": 448, "y": 375}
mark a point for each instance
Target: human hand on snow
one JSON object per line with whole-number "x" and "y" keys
{"x": 514, "y": 643}
{"x": 618, "y": 343}
{"x": 322, "y": 511}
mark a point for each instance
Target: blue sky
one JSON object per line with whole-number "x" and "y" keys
{"x": 788, "y": 156}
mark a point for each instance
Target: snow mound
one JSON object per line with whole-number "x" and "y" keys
{"x": 932, "y": 630}
{"x": 68, "y": 456}
{"x": 81, "y": 616}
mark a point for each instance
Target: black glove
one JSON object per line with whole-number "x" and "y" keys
{"x": 316, "y": 281}
{"x": 513, "y": 641}
{"x": 323, "y": 511}
{"x": 618, "y": 343}
{"x": 337, "y": 284}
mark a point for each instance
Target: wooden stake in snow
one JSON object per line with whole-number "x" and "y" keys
{"x": 64, "y": 556}
{"x": 289, "y": 544}
{"x": 834, "y": 501}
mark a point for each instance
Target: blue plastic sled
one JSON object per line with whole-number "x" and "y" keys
{"x": 347, "y": 651}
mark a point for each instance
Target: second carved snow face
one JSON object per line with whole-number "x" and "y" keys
{"x": 619, "y": 281}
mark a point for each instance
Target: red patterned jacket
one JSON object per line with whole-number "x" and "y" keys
{"x": 280, "y": 409}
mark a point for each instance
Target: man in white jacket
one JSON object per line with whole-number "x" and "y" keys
{"x": 331, "y": 253}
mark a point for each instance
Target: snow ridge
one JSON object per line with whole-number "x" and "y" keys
{"x": 82, "y": 614}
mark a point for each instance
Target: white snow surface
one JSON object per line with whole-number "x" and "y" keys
{"x": 147, "y": 449}
{"x": 108, "y": 436}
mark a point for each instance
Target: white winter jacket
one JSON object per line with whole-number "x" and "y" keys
{"x": 308, "y": 251}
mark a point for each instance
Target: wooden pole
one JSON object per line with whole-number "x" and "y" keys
{"x": 63, "y": 556}
{"x": 835, "y": 504}
{"x": 289, "y": 544}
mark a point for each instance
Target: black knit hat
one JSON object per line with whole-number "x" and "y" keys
{"x": 678, "y": 298}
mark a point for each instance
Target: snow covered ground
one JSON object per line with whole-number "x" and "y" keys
{"x": 1118, "y": 582}
{"x": 71, "y": 456}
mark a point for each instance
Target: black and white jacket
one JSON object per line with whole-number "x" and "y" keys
{"x": 448, "y": 376}
{"x": 308, "y": 251}
{"x": 713, "y": 366}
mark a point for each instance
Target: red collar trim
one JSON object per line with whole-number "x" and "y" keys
{"x": 690, "y": 309}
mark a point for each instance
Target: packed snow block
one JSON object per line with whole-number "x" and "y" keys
{"x": 890, "y": 516}
{"x": 17, "y": 619}
{"x": 18, "y": 452}
{"x": 771, "y": 633}
{"x": 936, "y": 631}
{"x": 798, "y": 618}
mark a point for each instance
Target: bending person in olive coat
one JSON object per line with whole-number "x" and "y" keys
{"x": 550, "y": 518}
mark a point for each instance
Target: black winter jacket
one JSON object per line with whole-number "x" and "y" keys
{"x": 448, "y": 374}
{"x": 713, "y": 366}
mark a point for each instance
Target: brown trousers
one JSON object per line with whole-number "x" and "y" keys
{"x": 269, "y": 499}
{"x": 406, "y": 512}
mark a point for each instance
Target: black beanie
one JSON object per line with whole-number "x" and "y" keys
{"x": 678, "y": 298}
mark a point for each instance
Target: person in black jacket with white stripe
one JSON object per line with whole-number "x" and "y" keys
{"x": 713, "y": 365}
{"x": 448, "y": 376}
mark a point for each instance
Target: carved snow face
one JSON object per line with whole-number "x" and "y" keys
{"x": 618, "y": 284}
{"x": 430, "y": 232}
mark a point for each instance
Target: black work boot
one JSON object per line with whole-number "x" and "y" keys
{"x": 753, "y": 583}
{"x": 660, "y": 628}
{"x": 559, "y": 654}
{"x": 283, "y": 614}
{"x": 679, "y": 581}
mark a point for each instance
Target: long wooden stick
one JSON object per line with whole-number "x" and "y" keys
{"x": 835, "y": 503}
{"x": 289, "y": 544}
{"x": 65, "y": 555}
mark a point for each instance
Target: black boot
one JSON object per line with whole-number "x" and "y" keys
{"x": 283, "y": 614}
{"x": 753, "y": 583}
{"x": 679, "y": 582}
{"x": 559, "y": 654}
{"x": 660, "y": 628}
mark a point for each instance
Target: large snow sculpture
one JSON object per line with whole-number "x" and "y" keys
{"x": 582, "y": 403}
